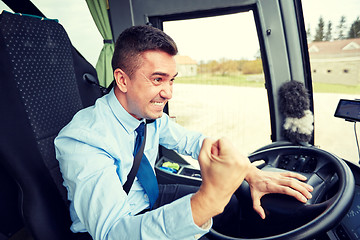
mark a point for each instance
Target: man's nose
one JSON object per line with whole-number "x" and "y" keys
{"x": 166, "y": 91}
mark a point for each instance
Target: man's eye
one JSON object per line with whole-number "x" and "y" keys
{"x": 157, "y": 79}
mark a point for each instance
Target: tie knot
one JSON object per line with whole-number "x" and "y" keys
{"x": 140, "y": 129}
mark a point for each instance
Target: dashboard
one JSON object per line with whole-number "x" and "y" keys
{"x": 349, "y": 227}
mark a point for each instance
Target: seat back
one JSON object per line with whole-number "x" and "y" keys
{"x": 42, "y": 85}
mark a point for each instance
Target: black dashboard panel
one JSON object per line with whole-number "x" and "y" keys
{"x": 349, "y": 227}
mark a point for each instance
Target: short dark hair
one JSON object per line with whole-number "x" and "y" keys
{"x": 133, "y": 41}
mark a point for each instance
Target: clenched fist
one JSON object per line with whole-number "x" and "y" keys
{"x": 223, "y": 169}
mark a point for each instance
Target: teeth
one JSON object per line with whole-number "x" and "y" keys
{"x": 158, "y": 103}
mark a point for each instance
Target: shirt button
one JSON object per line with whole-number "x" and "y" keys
{"x": 145, "y": 196}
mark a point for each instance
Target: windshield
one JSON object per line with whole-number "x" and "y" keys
{"x": 220, "y": 90}
{"x": 333, "y": 34}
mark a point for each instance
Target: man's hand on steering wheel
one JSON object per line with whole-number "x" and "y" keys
{"x": 289, "y": 183}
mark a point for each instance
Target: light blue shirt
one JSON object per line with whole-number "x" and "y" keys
{"x": 95, "y": 153}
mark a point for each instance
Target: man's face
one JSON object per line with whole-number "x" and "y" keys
{"x": 151, "y": 85}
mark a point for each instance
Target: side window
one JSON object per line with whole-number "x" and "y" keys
{"x": 334, "y": 47}
{"x": 220, "y": 89}
{"x": 75, "y": 17}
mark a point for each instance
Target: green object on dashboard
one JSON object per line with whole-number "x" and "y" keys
{"x": 171, "y": 165}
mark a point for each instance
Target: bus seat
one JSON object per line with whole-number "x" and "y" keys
{"x": 42, "y": 85}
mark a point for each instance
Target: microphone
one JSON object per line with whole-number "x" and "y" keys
{"x": 295, "y": 106}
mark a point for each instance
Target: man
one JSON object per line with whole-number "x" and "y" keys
{"x": 95, "y": 152}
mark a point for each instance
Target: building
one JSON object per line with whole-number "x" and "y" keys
{"x": 336, "y": 62}
{"x": 186, "y": 66}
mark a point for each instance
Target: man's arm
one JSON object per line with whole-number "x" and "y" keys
{"x": 174, "y": 136}
{"x": 223, "y": 169}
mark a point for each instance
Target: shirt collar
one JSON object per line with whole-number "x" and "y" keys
{"x": 127, "y": 121}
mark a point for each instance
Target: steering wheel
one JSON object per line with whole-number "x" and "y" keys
{"x": 287, "y": 218}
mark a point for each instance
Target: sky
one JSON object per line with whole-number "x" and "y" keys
{"x": 209, "y": 38}
{"x": 202, "y": 39}
{"x": 330, "y": 10}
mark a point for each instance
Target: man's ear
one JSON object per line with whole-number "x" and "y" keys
{"x": 121, "y": 79}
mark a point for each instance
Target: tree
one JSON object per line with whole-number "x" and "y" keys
{"x": 354, "y": 31}
{"x": 212, "y": 66}
{"x": 252, "y": 67}
{"x": 328, "y": 35}
{"x": 341, "y": 28}
{"x": 308, "y": 34}
{"x": 227, "y": 66}
{"x": 319, "y": 34}
{"x": 257, "y": 55}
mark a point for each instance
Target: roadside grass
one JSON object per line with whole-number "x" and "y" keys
{"x": 230, "y": 80}
{"x": 256, "y": 80}
{"x": 336, "y": 88}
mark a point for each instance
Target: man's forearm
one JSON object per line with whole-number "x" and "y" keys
{"x": 203, "y": 208}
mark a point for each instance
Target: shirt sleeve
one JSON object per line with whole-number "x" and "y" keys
{"x": 101, "y": 206}
{"x": 175, "y": 137}
{"x": 170, "y": 223}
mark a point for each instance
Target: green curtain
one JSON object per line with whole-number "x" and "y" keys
{"x": 99, "y": 12}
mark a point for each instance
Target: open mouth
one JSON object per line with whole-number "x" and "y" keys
{"x": 158, "y": 103}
